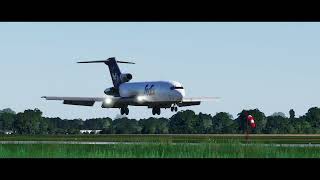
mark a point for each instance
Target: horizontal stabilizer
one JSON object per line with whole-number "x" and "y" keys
{"x": 106, "y": 61}
{"x": 102, "y": 61}
{"x": 125, "y": 62}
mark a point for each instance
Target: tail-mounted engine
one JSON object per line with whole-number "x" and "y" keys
{"x": 125, "y": 77}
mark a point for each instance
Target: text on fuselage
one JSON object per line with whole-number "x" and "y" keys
{"x": 149, "y": 91}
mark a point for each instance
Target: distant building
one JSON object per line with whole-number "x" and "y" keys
{"x": 6, "y": 132}
{"x": 89, "y": 131}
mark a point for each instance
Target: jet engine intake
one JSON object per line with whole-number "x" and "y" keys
{"x": 125, "y": 77}
{"x": 111, "y": 91}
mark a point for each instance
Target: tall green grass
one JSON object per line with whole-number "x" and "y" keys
{"x": 156, "y": 150}
{"x": 192, "y": 138}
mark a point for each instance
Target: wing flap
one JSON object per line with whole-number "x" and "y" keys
{"x": 79, "y": 101}
{"x": 195, "y": 101}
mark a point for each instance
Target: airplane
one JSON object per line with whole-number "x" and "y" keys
{"x": 153, "y": 94}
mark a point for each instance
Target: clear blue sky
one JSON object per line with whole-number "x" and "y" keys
{"x": 269, "y": 66}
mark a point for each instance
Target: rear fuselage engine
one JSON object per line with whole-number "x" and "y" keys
{"x": 125, "y": 77}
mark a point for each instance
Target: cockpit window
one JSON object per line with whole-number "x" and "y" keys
{"x": 175, "y": 87}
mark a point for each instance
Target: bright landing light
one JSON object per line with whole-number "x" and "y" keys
{"x": 108, "y": 100}
{"x": 140, "y": 98}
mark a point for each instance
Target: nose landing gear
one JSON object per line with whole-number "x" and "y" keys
{"x": 124, "y": 110}
{"x": 156, "y": 111}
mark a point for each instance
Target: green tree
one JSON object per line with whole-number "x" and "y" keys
{"x": 54, "y": 125}
{"x": 126, "y": 126}
{"x": 259, "y": 118}
{"x": 107, "y": 131}
{"x": 7, "y": 110}
{"x": 302, "y": 126}
{"x": 7, "y": 120}
{"x": 154, "y": 126}
{"x": 97, "y": 124}
{"x": 28, "y": 122}
{"x": 73, "y": 126}
{"x": 73, "y": 131}
{"x": 279, "y": 114}
{"x": 292, "y": 114}
{"x": 313, "y": 117}
{"x": 184, "y": 122}
{"x": 222, "y": 123}
{"x": 279, "y": 125}
{"x": 43, "y": 127}
{"x": 203, "y": 123}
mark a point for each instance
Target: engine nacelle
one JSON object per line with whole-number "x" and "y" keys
{"x": 112, "y": 91}
{"x": 125, "y": 77}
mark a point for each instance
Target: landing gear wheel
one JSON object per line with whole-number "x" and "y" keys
{"x": 124, "y": 110}
{"x": 176, "y": 109}
{"x": 172, "y": 109}
{"x": 127, "y": 111}
{"x": 156, "y": 111}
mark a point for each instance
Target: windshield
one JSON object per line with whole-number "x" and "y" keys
{"x": 174, "y": 87}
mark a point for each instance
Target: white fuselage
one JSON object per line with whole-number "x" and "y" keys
{"x": 155, "y": 91}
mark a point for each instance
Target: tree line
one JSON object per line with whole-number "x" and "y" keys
{"x": 183, "y": 122}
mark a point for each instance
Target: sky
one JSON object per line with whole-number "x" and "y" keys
{"x": 272, "y": 66}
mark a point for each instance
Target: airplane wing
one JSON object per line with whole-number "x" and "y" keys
{"x": 118, "y": 101}
{"x": 195, "y": 101}
{"x": 114, "y": 102}
{"x": 80, "y": 101}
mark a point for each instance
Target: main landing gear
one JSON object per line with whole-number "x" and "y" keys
{"x": 156, "y": 111}
{"x": 174, "y": 109}
{"x": 124, "y": 110}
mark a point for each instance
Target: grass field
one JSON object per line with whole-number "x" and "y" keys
{"x": 194, "y": 138}
{"x": 163, "y": 146}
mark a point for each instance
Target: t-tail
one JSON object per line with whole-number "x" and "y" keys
{"x": 116, "y": 75}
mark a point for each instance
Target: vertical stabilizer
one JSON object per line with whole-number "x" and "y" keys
{"x": 114, "y": 69}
